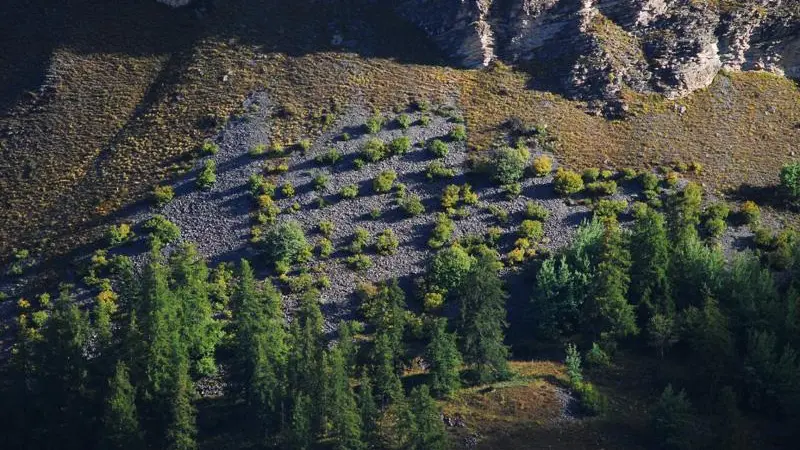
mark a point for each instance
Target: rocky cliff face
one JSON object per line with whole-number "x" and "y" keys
{"x": 592, "y": 49}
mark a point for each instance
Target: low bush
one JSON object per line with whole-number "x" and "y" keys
{"x": 259, "y": 185}
{"x": 542, "y": 165}
{"x": 458, "y": 133}
{"x": 493, "y": 234}
{"x": 600, "y": 188}
{"x": 276, "y": 149}
{"x": 375, "y": 213}
{"x": 119, "y": 234}
{"x": 567, "y": 182}
{"x": 374, "y": 123}
{"x": 672, "y": 178}
{"x": 627, "y": 174}
{"x": 512, "y": 190}
{"x": 359, "y": 262}
{"x": 257, "y": 150}
{"x": 207, "y": 176}
{"x": 649, "y": 181}
{"x": 325, "y": 248}
{"x": 610, "y": 208}
{"x": 386, "y": 242}
{"x": 531, "y": 229}
{"x": 325, "y": 228}
{"x": 287, "y": 190}
{"x": 536, "y": 211}
{"x": 750, "y": 212}
{"x": 374, "y": 150}
{"x": 404, "y": 121}
{"x": 438, "y": 148}
{"x": 360, "y": 241}
{"x": 501, "y": 214}
{"x": 433, "y": 301}
{"x": 425, "y": 120}
{"x": 286, "y": 243}
{"x": 718, "y": 210}
{"x": 304, "y": 145}
{"x": 597, "y": 357}
{"x": 437, "y": 169}
{"x": 349, "y": 191}
{"x": 468, "y": 196}
{"x": 411, "y": 204}
{"x": 790, "y": 180}
{"x": 320, "y": 181}
{"x": 450, "y": 197}
{"x": 448, "y": 268}
{"x": 161, "y": 228}
{"x": 590, "y": 175}
{"x": 209, "y": 148}
{"x": 329, "y": 158}
{"x": 163, "y": 195}
{"x": 442, "y": 231}
{"x": 400, "y": 145}
{"x": 508, "y": 165}
{"x": 384, "y": 181}
{"x": 715, "y": 227}
{"x": 606, "y": 174}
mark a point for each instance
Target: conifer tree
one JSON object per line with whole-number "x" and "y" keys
{"x": 121, "y": 422}
{"x": 650, "y": 289}
{"x": 348, "y": 346}
{"x": 181, "y": 433}
{"x": 684, "y": 209}
{"x": 444, "y": 360}
{"x": 300, "y": 431}
{"x": 341, "y": 403}
{"x": 429, "y": 432}
{"x": 386, "y": 312}
{"x": 306, "y": 367}
{"x": 202, "y": 332}
{"x": 482, "y": 320}
{"x": 608, "y": 312}
{"x": 368, "y": 411}
{"x": 387, "y": 380}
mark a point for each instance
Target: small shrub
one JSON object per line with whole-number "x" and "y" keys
{"x": 442, "y": 231}
{"x": 493, "y": 234}
{"x": 400, "y": 146}
{"x": 384, "y": 181}
{"x": 374, "y": 150}
{"x": 750, "y": 212}
{"x": 375, "y": 213}
{"x": 649, "y": 181}
{"x": 512, "y": 190}
{"x": 163, "y": 195}
{"x": 715, "y": 227}
{"x": 590, "y": 175}
{"x": 437, "y": 169}
{"x": 374, "y": 123}
{"x": 325, "y": 228}
{"x": 610, "y": 208}
{"x": 276, "y": 149}
{"x": 329, "y": 158}
{"x": 606, "y": 174}
{"x": 696, "y": 167}
{"x": 448, "y": 267}
{"x": 386, "y": 243}
{"x": 119, "y": 234}
{"x": 536, "y": 211}
{"x": 345, "y": 137}
{"x": 567, "y": 182}
{"x": 438, "y": 148}
{"x": 425, "y": 120}
{"x": 508, "y": 165}
{"x": 320, "y": 181}
{"x": 433, "y": 301}
{"x": 628, "y": 174}
{"x": 542, "y": 165}
{"x": 411, "y": 204}
{"x": 499, "y": 213}
{"x": 468, "y": 196}
{"x": 286, "y": 243}
{"x": 790, "y": 180}
{"x": 257, "y": 150}
{"x": 301, "y": 283}
{"x": 209, "y": 148}
{"x": 287, "y": 190}
{"x": 260, "y": 186}
{"x": 592, "y": 402}
{"x": 325, "y": 248}
{"x": 531, "y": 229}
{"x": 599, "y": 188}
{"x": 458, "y": 133}
{"x": 304, "y": 145}
{"x": 671, "y": 180}
{"x": 597, "y": 357}
{"x": 349, "y": 191}
{"x": 162, "y": 229}
{"x": 404, "y": 121}
{"x": 450, "y": 197}
{"x": 360, "y": 241}
{"x": 359, "y": 262}
{"x": 208, "y": 175}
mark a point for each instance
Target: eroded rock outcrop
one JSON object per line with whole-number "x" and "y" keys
{"x": 592, "y": 49}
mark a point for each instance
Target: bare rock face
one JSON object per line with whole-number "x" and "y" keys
{"x": 175, "y": 3}
{"x": 591, "y": 49}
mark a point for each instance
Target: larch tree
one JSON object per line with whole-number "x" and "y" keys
{"x": 444, "y": 360}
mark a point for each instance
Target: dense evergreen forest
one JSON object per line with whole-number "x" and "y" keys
{"x": 124, "y": 372}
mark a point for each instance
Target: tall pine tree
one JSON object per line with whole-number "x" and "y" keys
{"x": 444, "y": 360}
{"x": 650, "y": 289}
{"x": 121, "y": 421}
{"x": 482, "y": 320}
{"x": 429, "y": 432}
{"x": 341, "y": 403}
